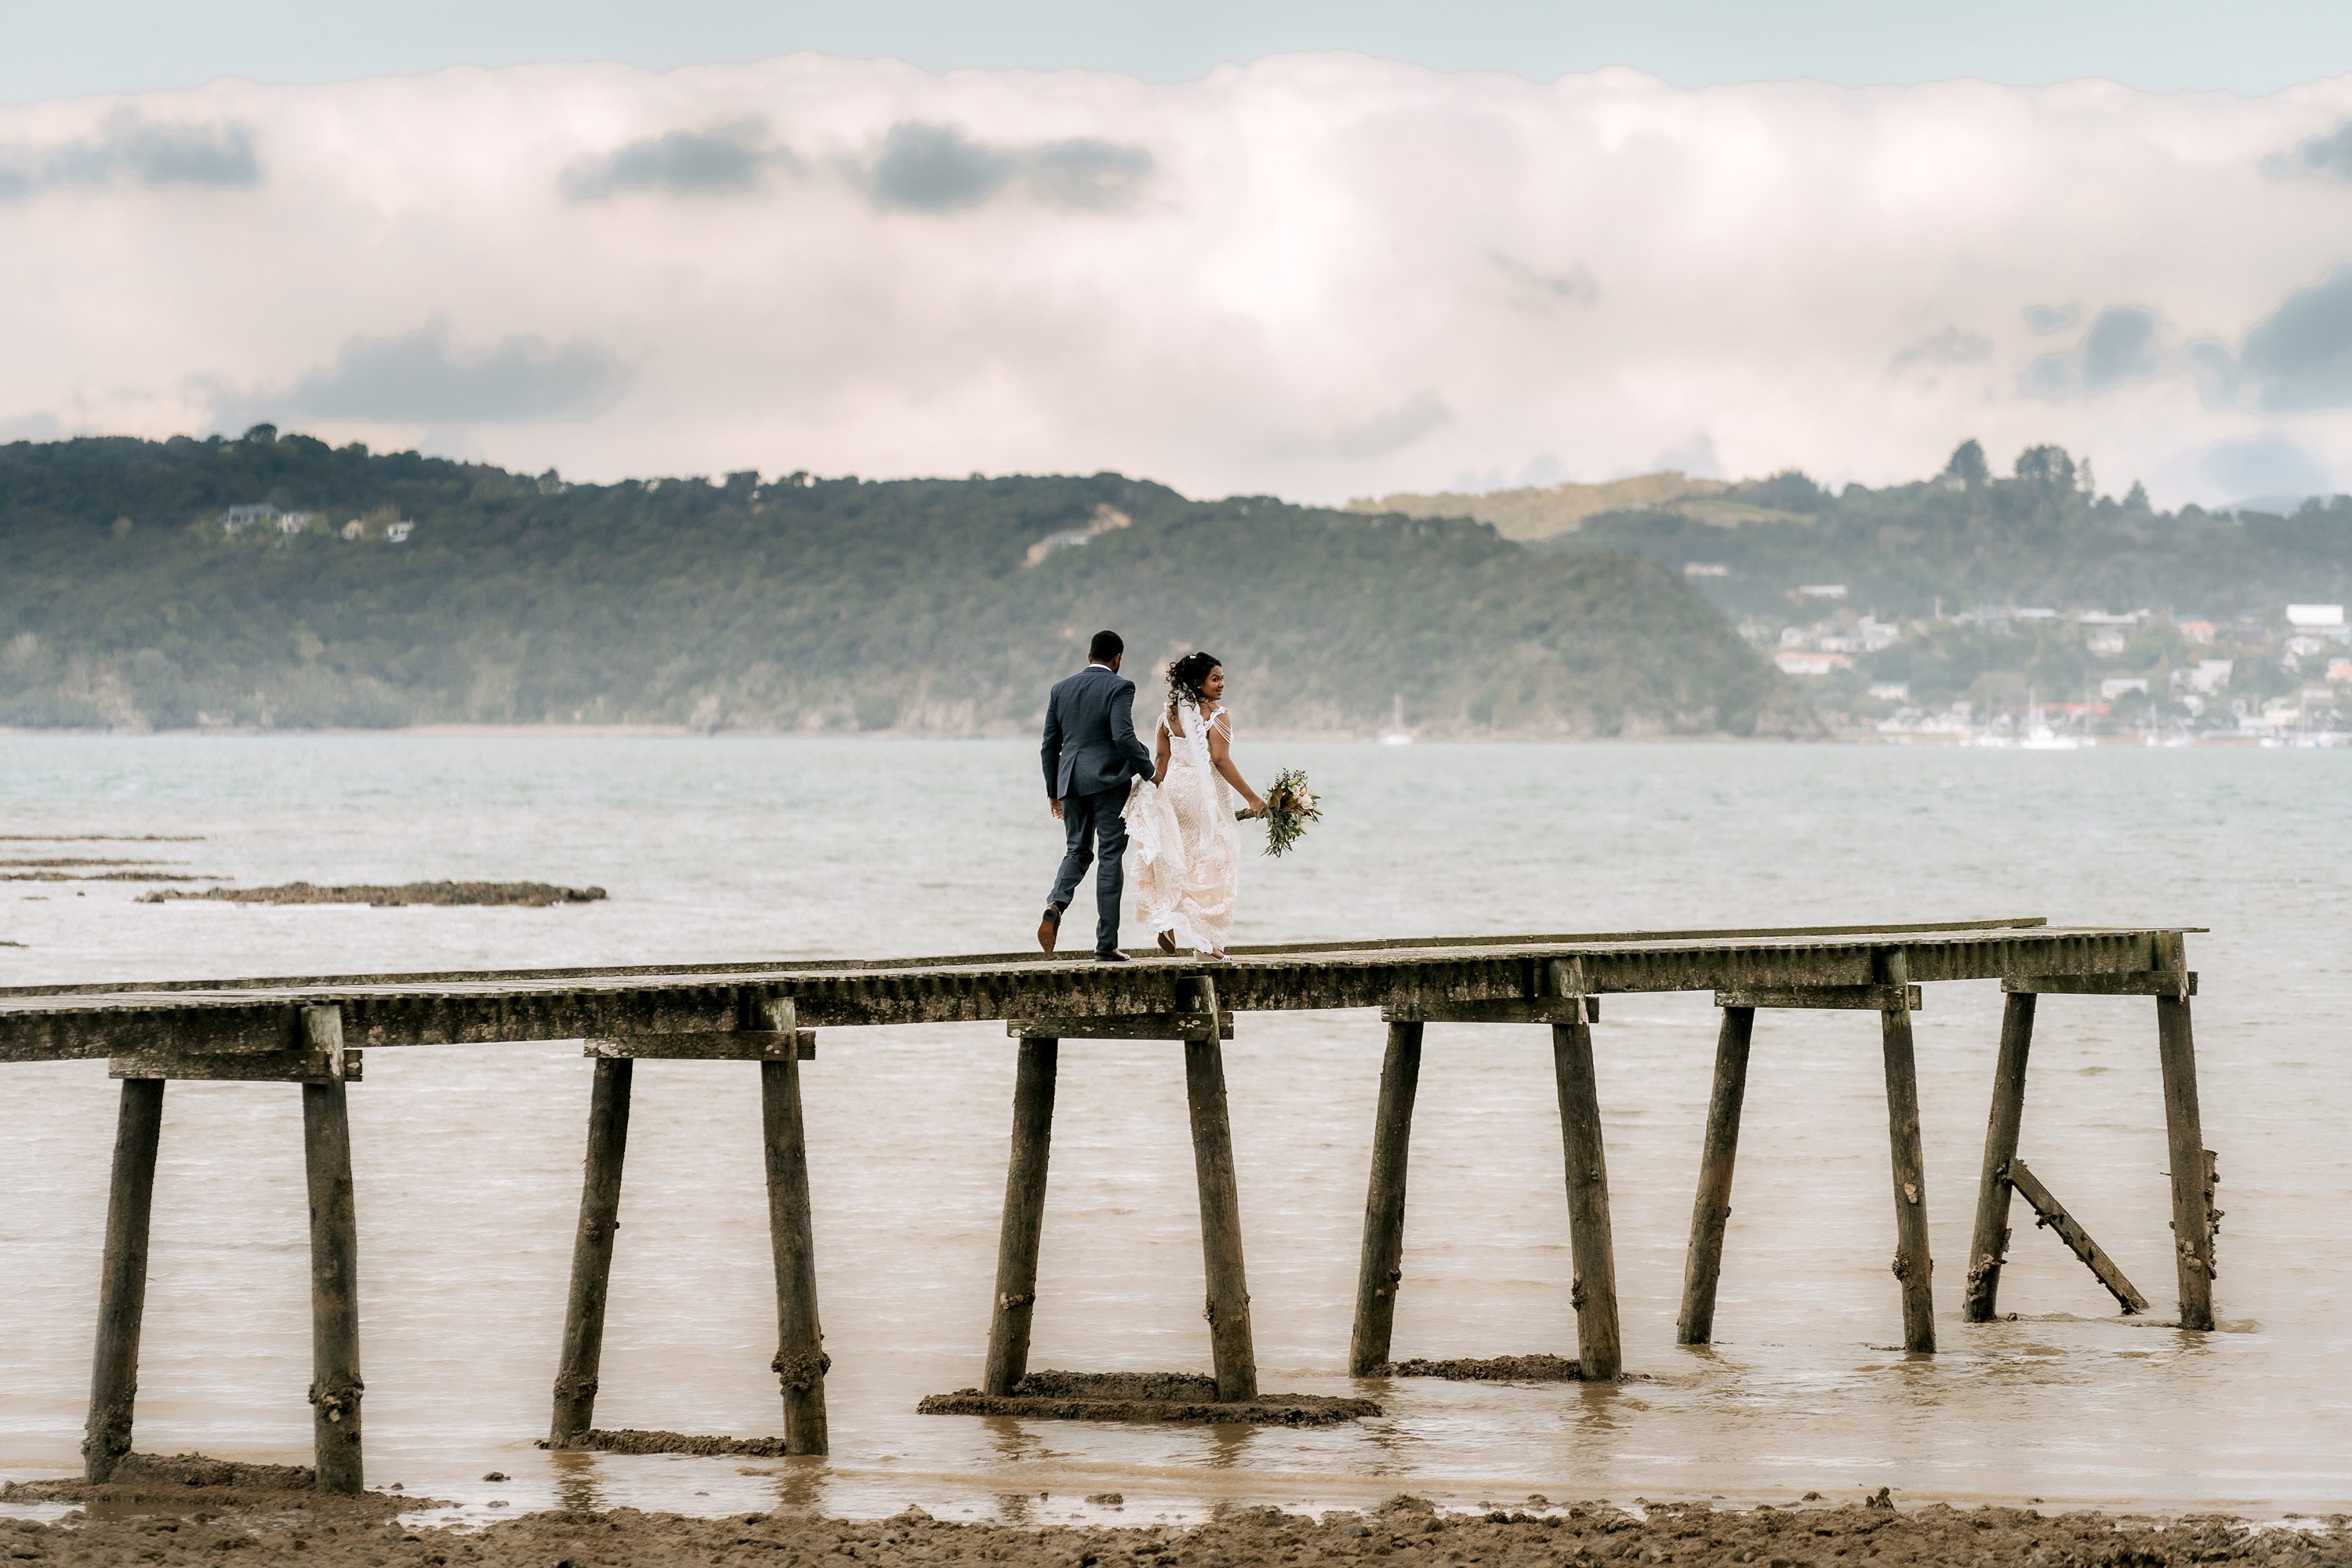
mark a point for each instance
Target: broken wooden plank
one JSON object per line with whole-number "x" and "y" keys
{"x": 2048, "y": 1212}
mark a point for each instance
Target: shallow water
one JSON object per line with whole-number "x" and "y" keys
{"x": 467, "y": 1158}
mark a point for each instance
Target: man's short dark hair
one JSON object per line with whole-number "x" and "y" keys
{"x": 1106, "y": 646}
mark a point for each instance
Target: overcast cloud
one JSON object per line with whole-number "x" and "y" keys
{"x": 1318, "y": 276}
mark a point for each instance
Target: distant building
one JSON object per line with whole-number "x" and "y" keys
{"x": 291, "y": 523}
{"x": 2339, "y": 672}
{"x": 1810, "y": 661}
{"x": 1891, "y": 690}
{"x": 398, "y": 533}
{"x": 2106, "y": 641}
{"x": 1822, "y": 590}
{"x": 2196, "y": 631}
{"x": 1706, "y": 569}
{"x": 2207, "y": 675}
{"x": 2033, "y": 615}
{"x": 354, "y": 529}
{"x": 2114, "y": 686}
{"x": 237, "y": 519}
{"x": 2314, "y": 616}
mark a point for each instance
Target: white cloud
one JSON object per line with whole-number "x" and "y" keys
{"x": 1318, "y": 274}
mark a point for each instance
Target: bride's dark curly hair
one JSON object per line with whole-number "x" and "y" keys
{"x": 1187, "y": 675}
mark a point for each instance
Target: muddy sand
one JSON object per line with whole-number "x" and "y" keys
{"x": 533, "y": 895}
{"x": 172, "y": 1517}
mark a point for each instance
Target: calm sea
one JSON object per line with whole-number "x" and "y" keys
{"x": 468, "y": 1159}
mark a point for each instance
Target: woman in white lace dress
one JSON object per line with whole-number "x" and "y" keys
{"x": 1188, "y": 850}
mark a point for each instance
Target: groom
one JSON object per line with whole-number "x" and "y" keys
{"x": 1090, "y": 754}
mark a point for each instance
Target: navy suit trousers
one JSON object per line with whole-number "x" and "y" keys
{"x": 1094, "y": 826}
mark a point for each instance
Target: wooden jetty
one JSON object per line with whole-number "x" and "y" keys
{"x": 313, "y": 1031}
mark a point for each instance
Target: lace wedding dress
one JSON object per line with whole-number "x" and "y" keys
{"x": 1188, "y": 848}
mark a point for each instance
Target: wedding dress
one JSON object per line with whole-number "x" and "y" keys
{"x": 1188, "y": 847}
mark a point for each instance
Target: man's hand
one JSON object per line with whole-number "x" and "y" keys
{"x": 1054, "y": 806}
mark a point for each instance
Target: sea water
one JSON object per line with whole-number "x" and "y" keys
{"x": 467, "y": 1158}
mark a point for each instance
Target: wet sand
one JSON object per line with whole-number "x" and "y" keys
{"x": 156, "y": 1521}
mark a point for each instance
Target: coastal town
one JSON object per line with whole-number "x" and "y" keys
{"x": 2043, "y": 678}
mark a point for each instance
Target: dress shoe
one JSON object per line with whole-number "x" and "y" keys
{"x": 1049, "y": 930}
{"x": 1168, "y": 942}
{"x": 1112, "y": 957}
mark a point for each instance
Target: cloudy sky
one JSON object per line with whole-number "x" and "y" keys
{"x": 1318, "y": 273}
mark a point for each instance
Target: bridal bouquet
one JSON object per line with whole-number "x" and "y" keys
{"x": 1290, "y": 806}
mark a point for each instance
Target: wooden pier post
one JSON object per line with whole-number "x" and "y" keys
{"x": 1913, "y": 1266}
{"x": 592, "y": 1252}
{"x": 1025, "y": 1216}
{"x": 800, "y": 1364}
{"x": 1382, "y": 1267}
{"x": 1988, "y": 1243}
{"x": 2192, "y": 1193}
{"x": 122, "y": 1278}
{"x": 335, "y": 1385}
{"x": 1594, "y": 1290}
{"x": 1711, "y": 1209}
{"x": 1230, "y": 1344}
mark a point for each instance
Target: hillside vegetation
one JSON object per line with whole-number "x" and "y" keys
{"x": 1530, "y": 512}
{"x": 944, "y": 606}
{"x": 2041, "y": 536}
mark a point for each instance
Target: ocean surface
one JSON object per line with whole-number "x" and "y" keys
{"x": 467, "y": 1158}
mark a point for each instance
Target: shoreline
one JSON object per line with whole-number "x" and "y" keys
{"x": 171, "y": 1516}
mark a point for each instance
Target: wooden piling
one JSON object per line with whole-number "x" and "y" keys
{"x": 1711, "y": 1209}
{"x": 1989, "y": 1243}
{"x": 592, "y": 1252}
{"x": 122, "y": 1278}
{"x": 2192, "y": 1192}
{"x": 1594, "y": 1289}
{"x": 1025, "y": 1216}
{"x": 1235, "y": 1356}
{"x": 800, "y": 1362}
{"x": 335, "y": 1385}
{"x": 1381, "y": 1266}
{"x": 1913, "y": 1266}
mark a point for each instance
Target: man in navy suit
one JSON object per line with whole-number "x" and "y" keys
{"x": 1091, "y": 755}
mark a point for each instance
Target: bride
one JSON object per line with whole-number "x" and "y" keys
{"x": 1188, "y": 851}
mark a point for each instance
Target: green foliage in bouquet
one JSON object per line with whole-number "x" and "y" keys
{"x": 1290, "y": 806}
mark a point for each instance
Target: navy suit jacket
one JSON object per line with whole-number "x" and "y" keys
{"x": 1091, "y": 745}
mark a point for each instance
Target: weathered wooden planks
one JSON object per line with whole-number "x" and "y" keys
{"x": 2193, "y": 1166}
{"x": 1719, "y": 1152}
{"x": 800, "y": 1362}
{"x": 1989, "y": 1242}
{"x": 1232, "y": 1347}
{"x": 1015, "y": 1308}
{"x": 122, "y": 1278}
{"x": 1593, "y": 1290}
{"x": 1914, "y": 1266}
{"x": 591, "y": 1254}
{"x": 1380, "y": 1266}
{"x": 335, "y": 1385}
{"x": 258, "y": 1016}
{"x": 2050, "y": 1212}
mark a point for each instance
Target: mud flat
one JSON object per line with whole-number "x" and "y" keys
{"x": 532, "y": 895}
{"x": 1489, "y": 1369}
{"x": 1182, "y": 1398}
{"x": 327, "y": 1533}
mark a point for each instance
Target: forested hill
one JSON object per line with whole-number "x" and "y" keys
{"x": 180, "y": 584}
{"x": 2041, "y": 535}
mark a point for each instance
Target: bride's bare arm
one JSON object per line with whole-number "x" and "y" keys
{"x": 1160, "y": 761}
{"x": 1220, "y": 757}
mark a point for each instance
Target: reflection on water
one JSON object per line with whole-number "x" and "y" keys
{"x": 467, "y": 1158}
